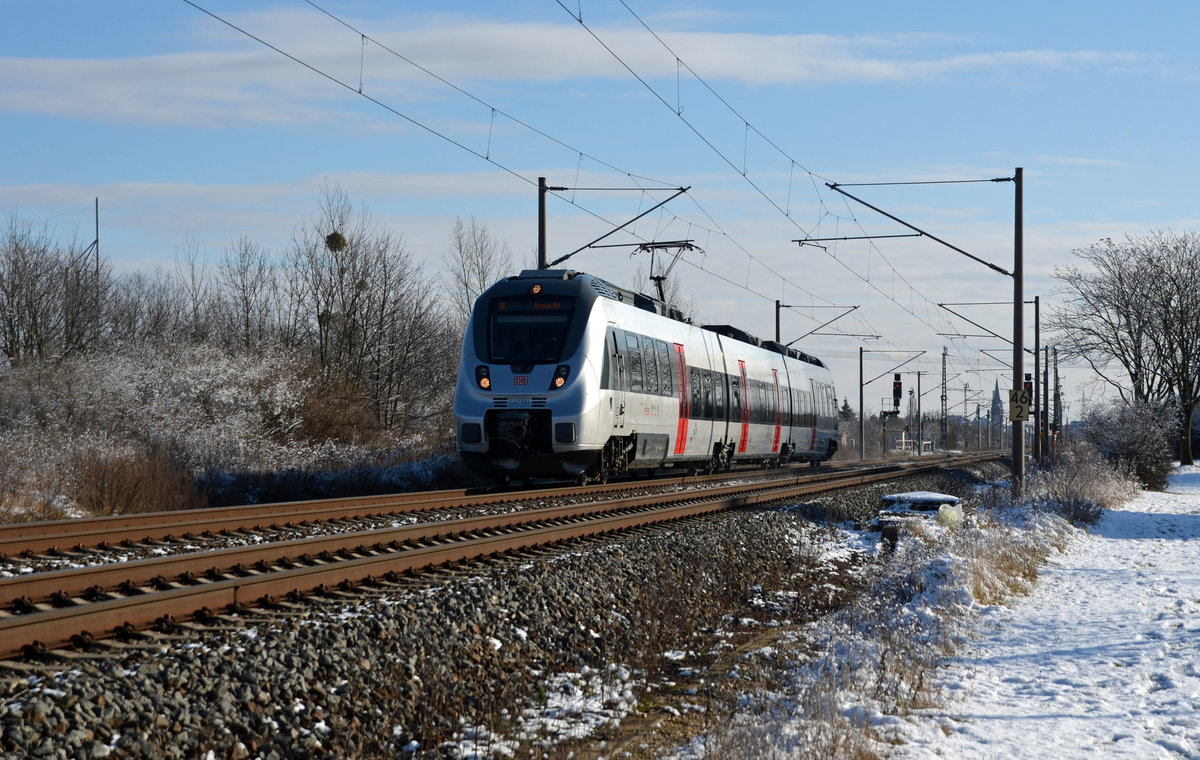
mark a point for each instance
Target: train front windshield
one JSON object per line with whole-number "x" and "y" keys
{"x": 528, "y": 330}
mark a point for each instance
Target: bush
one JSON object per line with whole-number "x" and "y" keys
{"x": 1077, "y": 483}
{"x": 1139, "y": 436}
{"x": 117, "y": 483}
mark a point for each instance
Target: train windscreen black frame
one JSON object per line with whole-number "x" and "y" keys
{"x": 528, "y": 330}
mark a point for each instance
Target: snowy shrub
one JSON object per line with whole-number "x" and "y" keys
{"x": 1139, "y": 436}
{"x": 1077, "y": 483}
{"x": 144, "y": 428}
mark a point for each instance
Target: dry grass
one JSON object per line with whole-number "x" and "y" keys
{"x": 113, "y": 483}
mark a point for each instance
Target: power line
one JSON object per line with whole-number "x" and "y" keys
{"x": 486, "y": 156}
{"x": 745, "y": 175}
{"x": 793, "y": 162}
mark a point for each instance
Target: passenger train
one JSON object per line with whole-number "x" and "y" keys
{"x": 566, "y": 375}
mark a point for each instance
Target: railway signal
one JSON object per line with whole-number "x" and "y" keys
{"x": 897, "y": 390}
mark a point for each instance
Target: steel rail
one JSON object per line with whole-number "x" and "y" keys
{"x": 61, "y": 586}
{"x": 58, "y": 627}
{"x": 60, "y": 535}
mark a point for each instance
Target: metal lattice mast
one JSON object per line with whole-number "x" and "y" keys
{"x": 945, "y": 353}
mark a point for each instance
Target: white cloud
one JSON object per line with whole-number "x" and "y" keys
{"x": 234, "y": 80}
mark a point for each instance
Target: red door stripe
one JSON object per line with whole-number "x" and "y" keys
{"x": 681, "y": 369}
{"x": 778, "y": 413}
{"x": 745, "y": 439}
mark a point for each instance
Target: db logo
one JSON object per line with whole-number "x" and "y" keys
{"x": 521, "y": 380}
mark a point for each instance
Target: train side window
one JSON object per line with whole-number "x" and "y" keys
{"x": 707, "y": 380}
{"x": 666, "y": 370}
{"x": 751, "y": 402}
{"x": 735, "y": 399}
{"x": 650, "y": 362}
{"x": 608, "y": 371}
{"x": 719, "y": 395}
{"x": 635, "y": 363}
{"x": 697, "y": 395}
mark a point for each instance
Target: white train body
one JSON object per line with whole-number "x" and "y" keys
{"x": 563, "y": 374}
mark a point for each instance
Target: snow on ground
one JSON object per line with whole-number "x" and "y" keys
{"x": 1101, "y": 659}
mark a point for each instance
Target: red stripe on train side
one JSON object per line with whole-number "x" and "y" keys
{"x": 682, "y": 431}
{"x": 745, "y": 439}
{"x": 778, "y": 414}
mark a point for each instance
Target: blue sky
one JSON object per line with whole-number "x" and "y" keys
{"x": 191, "y": 133}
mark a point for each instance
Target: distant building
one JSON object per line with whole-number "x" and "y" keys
{"x": 997, "y": 417}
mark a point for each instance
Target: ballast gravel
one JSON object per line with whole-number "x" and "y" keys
{"x": 408, "y": 670}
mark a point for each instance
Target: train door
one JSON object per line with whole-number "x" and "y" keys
{"x": 722, "y": 395}
{"x": 816, "y": 416}
{"x": 620, "y": 382}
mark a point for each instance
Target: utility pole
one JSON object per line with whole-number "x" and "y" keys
{"x": 920, "y": 419}
{"x": 541, "y": 223}
{"x": 541, "y": 250}
{"x": 1037, "y": 379}
{"x": 945, "y": 397}
{"x": 966, "y": 418}
{"x": 1018, "y": 363}
{"x": 978, "y": 428}
{"x": 96, "y": 341}
{"x": 862, "y": 412}
{"x": 1044, "y": 420}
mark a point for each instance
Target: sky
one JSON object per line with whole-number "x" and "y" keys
{"x": 196, "y": 124}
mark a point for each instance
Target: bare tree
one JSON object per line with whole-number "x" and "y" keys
{"x": 475, "y": 261}
{"x": 247, "y": 285}
{"x": 147, "y": 309}
{"x": 365, "y": 310}
{"x": 49, "y": 295}
{"x": 191, "y": 268}
{"x": 1135, "y": 318}
{"x": 1106, "y": 318}
{"x": 1174, "y": 259}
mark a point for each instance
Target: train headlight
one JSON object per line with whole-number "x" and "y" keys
{"x": 482, "y": 379}
{"x": 560, "y": 377}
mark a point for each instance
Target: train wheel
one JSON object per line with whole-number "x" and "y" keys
{"x": 581, "y": 479}
{"x": 603, "y": 477}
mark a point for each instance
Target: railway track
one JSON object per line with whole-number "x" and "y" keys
{"x": 74, "y": 606}
{"x": 77, "y": 536}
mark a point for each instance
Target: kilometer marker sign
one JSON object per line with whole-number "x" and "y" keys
{"x": 1019, "y": 401}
